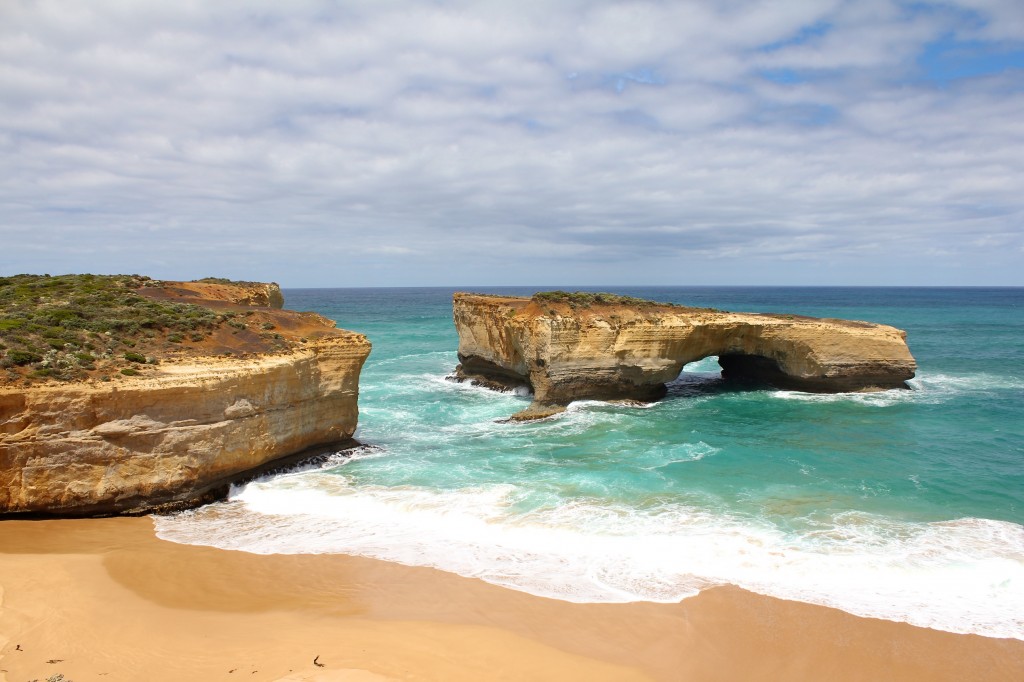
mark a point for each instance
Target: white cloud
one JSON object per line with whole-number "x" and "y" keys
{"x": 486, "y": 143}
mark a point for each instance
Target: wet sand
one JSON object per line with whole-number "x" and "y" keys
{"x": 104, "y": 599}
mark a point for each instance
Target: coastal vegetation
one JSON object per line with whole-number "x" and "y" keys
{"x": 585, "y": 299}
{"x": 231, "y": 282}
{"x": 74, "y": 327}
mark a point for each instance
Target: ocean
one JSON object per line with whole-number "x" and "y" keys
{"x": 906, "y": 505}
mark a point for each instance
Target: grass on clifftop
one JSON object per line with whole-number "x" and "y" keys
{"x": 585, "y": 299}
{"x": 71, "y": 327}
{"x": 225, "y": 280}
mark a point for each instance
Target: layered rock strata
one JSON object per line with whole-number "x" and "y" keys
{"x": 607, "y": 351}
{"x": 189, "y": 426}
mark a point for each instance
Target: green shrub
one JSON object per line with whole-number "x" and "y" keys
{"x": 23, "y": 357}
{"x": 91, "y": 304}
{"x": 225, "y": 280}
{"x": 57, "y": 318}
{"x": 130, "y": 372}
{"x": 585, "y": 299}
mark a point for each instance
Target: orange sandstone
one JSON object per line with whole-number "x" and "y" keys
{"x": 616, "y": 350}
{"x": 186, "y": 428}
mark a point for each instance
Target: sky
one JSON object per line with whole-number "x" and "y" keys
{"x": 391, "y": 143}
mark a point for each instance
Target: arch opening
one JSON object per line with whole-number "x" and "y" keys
{"x": 706, "y": 365}
{"x": 753, "y": 369}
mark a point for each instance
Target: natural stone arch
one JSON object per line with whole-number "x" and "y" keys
{"x": 615, "y": 350}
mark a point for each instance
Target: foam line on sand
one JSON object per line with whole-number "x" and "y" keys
{"x": 107, "y": 599}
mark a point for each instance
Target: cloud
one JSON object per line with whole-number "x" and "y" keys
{"x": 485, "y": 143}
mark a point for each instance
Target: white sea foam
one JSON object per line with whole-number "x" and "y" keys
{"x": 961, "y": 576}
{"x": 452, "y": 385}
{"x": 925, "y": 389}
{"x": 440, "y": 357}
{"x": 654, "y": 456}
{"x": 329, "y": 461}
{"x": 877, "y": 399}
{"x": 953, "y": 383}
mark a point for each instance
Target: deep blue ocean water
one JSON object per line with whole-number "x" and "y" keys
{"x": 904, "y": 505}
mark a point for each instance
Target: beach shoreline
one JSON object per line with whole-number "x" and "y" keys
{"x": 107, "y": 599}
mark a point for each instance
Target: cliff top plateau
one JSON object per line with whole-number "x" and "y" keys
{"x": 105, "y": 327}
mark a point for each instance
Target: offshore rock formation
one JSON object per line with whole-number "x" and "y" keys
{"x": 179, "y": 434}
{"x": 609, "y": 348}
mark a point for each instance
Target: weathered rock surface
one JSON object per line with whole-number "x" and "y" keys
{"x": 183, "y": 431}
{"x": 265, "y": 294}
{"x": 627, "y": 351}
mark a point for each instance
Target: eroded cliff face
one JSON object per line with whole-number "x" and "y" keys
{"x": 622, "y": 351}
{"x": 184, "y": 430}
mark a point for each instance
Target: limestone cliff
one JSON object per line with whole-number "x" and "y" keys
{"x": 618, "y": 350}
{"x": 179, "y": 431}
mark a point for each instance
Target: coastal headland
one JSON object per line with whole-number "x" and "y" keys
{"x": 572, "y": 346}
{"x": 124, "y": 394}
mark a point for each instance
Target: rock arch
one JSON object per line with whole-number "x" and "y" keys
{"x": 612, "y": 349}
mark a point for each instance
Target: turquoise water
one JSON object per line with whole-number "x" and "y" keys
{"x": 904, "y": 505}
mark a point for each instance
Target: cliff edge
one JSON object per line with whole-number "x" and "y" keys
{"x": 177, "y": 390}
{"x": 566, "y": 347}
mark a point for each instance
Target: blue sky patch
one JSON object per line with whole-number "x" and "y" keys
{"x": 783, "y": 76}
{"x": 948, "y": 59}
{"x": 804, "y": 35}
{"x": 806, "y": 114}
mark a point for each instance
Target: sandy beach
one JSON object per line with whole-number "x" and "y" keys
{"x": 105, "y": 599}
